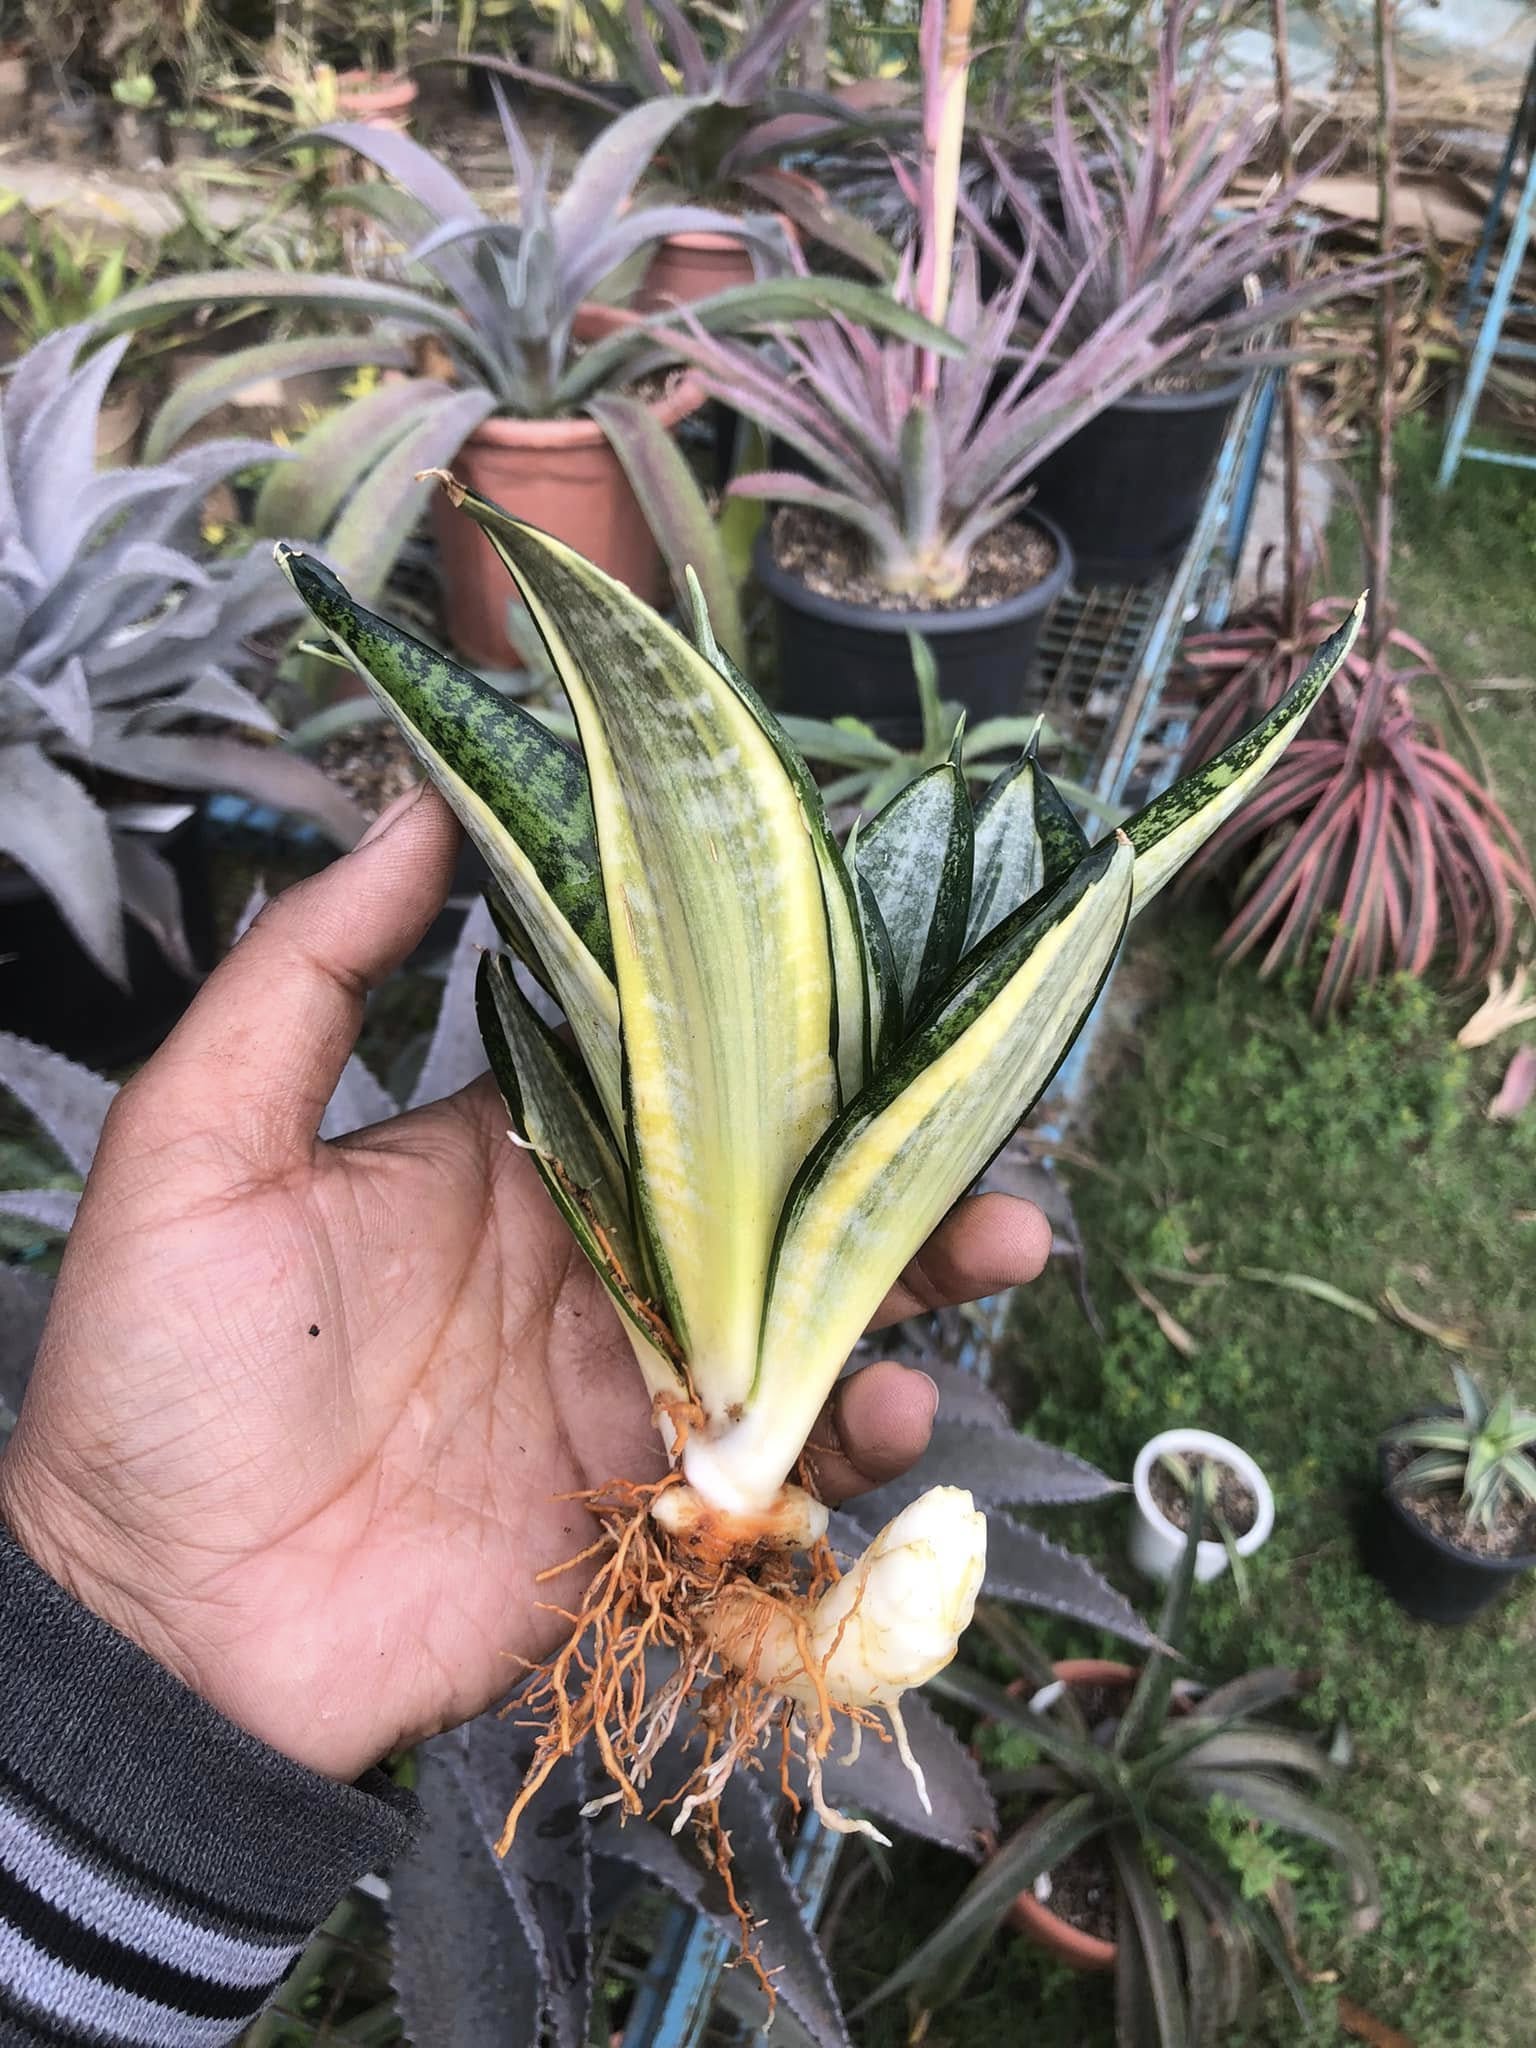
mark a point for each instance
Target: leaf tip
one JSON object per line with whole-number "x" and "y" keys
{"x": 450, "y": 483}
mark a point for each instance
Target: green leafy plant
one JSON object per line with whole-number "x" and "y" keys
{"x": 54, "y": 275}
{"x": 1183, "y": 1476}
{"x": 1484, "y": 1452}
{"x": 136, "y": 90}
{"x": 861, "y": 768}
{"x": 1156, "y": 1788}
{"x": 789, "y": 1062}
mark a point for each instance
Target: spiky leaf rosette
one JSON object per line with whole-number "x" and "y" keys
{"x": 122, "y": 654}
{"x": 788, "y": 1066}
{"x": 1374, "y": 824}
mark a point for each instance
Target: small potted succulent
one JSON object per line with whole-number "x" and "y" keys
{"x": 536, "y": 392}
{"x": 908, "y": 506}
{"x": 376, "y": 87}
{"x": 1240, "y": 1505}
{"x": 120, "y": 705}
{"x": 1131, "y": 202}
{"x": 1455, "y": 1522}
{"x": 1143, "y": 1795}
{"x": 726, "y": 152}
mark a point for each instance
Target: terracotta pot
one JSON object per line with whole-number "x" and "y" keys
{"x": 563, "y": 475}
{"x": 1027, "y": 1915}
{"x": 378, "y": 99}
{"x": 693, "y": 266}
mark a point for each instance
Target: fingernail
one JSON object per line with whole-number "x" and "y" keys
{"x": 390, "y": 814}
{"x": 932, "y": 1385}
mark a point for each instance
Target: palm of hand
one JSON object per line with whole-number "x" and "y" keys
{"x": 401, "y": 1362}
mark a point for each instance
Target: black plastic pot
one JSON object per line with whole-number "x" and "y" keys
{"x": 841, "y": 660}
{"x": 51, "y": 990}
{"x": 1427, "y": 1576}
{"x": 1128, "y": 489}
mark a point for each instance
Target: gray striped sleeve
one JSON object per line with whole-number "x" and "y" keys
{"x": 159, "y": 1868}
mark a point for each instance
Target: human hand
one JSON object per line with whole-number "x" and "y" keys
{"x": 303, "y": 1413}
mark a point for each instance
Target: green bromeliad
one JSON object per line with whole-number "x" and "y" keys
{"x": 791, "y": 1058}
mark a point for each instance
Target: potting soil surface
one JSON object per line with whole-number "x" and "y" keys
{"x": 831, "y": 559}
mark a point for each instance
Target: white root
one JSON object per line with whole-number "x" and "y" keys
{"x": 904, "y": 1751}
{"x": 829, "y": 1816}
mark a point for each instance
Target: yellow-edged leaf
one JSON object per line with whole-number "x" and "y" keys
{"x": 857, "y": 1029}
{"x": 904, "y": 1152}
{"x": 560, "y": 1120}
{"x": 721, "y": 951}
{"x": 1174, "y": 825}
{"x": 519, "y": 793}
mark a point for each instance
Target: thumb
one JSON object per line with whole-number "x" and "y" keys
{"x": 259, "y": 1052}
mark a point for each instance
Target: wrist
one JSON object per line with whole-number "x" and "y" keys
{"x": 103, "y": 1572}
{"x": 54, "y": 1529}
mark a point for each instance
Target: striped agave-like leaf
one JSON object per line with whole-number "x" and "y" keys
{"x": 793, "y": 1057}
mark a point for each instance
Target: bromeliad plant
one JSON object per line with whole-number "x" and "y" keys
{"x": 1484, "y": 1453}
{"x": 920, "y": 454}
{"x": 1129, "y": 203}
{"x": 788, "y": 1064}
{"x": 1376, "y": 830}
{"x": 502, "y": 324}
{"x": 1155, "y": 1784}
{"x": 121, "y": 650}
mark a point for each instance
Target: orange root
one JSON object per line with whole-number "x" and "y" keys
{"x": 651, "y": 1592}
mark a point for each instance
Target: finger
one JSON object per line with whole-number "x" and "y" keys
{"x": 260, "y": 1050}
{"x": 986, "y": 1243}
{"x": 874, "y": 1427}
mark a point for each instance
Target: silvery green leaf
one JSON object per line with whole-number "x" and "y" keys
{"x": 456, "y": 1055}
{"x": 69, "y": 1101}
{"x": 1010, "y": 863}
{"x": 916, "y": 857}
{"x": 1000, "y": 1467}
{"x": 24, "y": 1299}
{"x": 1027, "y": 1568}
{"x": 465, "y": 1973}
{"x": 879, "y": 1784}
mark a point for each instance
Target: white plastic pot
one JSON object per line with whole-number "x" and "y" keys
{"x": 1156, "y": 1543}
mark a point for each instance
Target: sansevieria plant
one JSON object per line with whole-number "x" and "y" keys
{"x": 790, "y": 1059}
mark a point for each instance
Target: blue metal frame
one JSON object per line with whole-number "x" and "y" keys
{"x": 675, "y": 1997}
{"x": 1498, "y": 304}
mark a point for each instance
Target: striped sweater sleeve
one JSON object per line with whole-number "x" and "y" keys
{"x": 159, "y": 1868}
